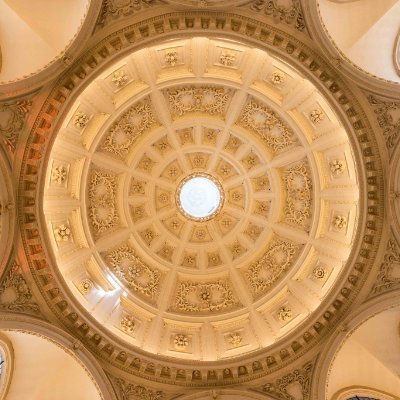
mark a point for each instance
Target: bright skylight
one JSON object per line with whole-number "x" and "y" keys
{"x": 200, "y": 197}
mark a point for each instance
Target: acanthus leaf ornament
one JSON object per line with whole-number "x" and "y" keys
{"x": 126, "y": 130}
{"x": 276, "y": 260}
{"x": 130, "y": 391}
{"x": 102, "y": 201}
{"x": 389, "y": 272}
{"x": 201, "y": 297}
{"x": 290, "y": 14}
{"x": 299, "y": 194}
{"x": 139, "y": 276}
{"x": 300, "y": 376}
{"x": 266, "y": 123}
{"x": 22, "y": 301}
{"x": 212, "y": 100}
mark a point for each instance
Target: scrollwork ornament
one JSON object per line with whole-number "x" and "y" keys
{"x": 290, "y": 14}
{"x": 266, "y": 123}
{"x": 138, "y": 275}
{"x": 130, "y": 391}
{"x": 126, "y": 130}
{"x": 299, "y": 194}
{"x": 279, "y": 389}
{"x": 275, "y": 261}
{"x": 212, "y": 100}
{"x": 102, "y": 201}
{"x": 13, "y": 121}
{"x": 23, "y": 295}
{"x": 386, "y": 278}
{"x": 389, "y": 124}
{"x": 203, "y": 297}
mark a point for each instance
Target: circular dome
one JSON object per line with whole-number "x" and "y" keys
{"x": 183, "y": 271}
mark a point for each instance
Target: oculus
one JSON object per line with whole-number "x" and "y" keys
{"x": 199, "y": 197}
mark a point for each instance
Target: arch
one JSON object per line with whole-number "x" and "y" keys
{"x": 17, "y": 327}
{"x": 364, "y": 393}
{"x": 7, "y": 365}
{"x": 369, "y": 310}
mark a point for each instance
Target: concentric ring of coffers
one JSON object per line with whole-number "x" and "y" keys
{"x": 263, "y": 263}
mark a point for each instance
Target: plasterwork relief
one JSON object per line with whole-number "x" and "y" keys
{"x": 275, "y": 261}
{"x": 298, "y": 198}
{"x": 137, "y": 275}
{"x": 102, "y": 201}
{"x": 130, "y": 391}
{"x": 115, "y": 9}
{"x": 15, "y": 294}
{"x": 126, "y": 130}
{"x": 200, "y": 297}
{"x": 211, "y": 100}
{"x": 290, "y": 14}
{"x": 389, "y": 274}
{"x": 335, "y": 87}
{"x": 12, "y": 121}
{"x": 291, "y": 386}
{"x": 266, "y": 123}
{"x": 388, "y": 117}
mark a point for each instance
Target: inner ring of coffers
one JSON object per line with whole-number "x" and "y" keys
{"x": 179, "y": 190}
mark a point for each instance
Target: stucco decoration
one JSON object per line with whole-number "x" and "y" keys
{"x": 124, "y": 353}
{"x": 12, "y": 121}
{"x": 289, "y": 12}
{"x": 388, "y": 117}
{"x": 389, "y": 273}
{"x": 277, "y": 210}
{"x": 292, "y": 385}
{"x": 15, "y": 293}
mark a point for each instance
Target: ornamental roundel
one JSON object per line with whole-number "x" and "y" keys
{"x": 202, "y": 206}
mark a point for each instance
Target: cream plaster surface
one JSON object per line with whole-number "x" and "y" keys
{"x": 44, "y": 371}
{"x": 34, "y": 33}
{"x": 370, "y": 357}
{"x": 365, "y": 31}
